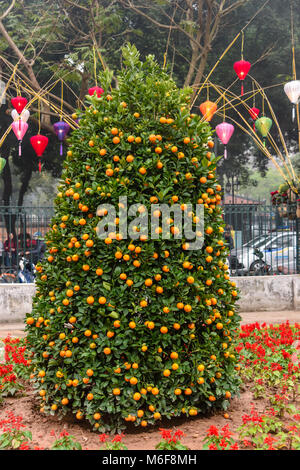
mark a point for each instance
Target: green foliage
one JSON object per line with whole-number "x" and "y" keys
{"x": 13, "y": 439}
{"x": 144, "y": 350}
{"x": 66, "y": 442}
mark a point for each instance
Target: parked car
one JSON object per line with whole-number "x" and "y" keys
{"x": 274, "y": 250}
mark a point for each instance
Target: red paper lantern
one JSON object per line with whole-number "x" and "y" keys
{"x": 96, "y": 89}
{"x": 242, "y": 68}
{"x": 254, "y": 113}
{"x": 19, "y": 103}
{"x": 39, "y": 143}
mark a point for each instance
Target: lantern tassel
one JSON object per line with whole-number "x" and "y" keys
{"x": 40, "y": 166}
{"x": 242, "y": 89}
{"x": 61, "y": 149}
{"x": 293, "y": 113}
{"x": 225, "y": 152}
{"x": 20, "y": 148}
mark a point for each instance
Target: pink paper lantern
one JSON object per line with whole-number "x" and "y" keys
{"x": 224, "y": 132}
{"x": 20, "y": 129}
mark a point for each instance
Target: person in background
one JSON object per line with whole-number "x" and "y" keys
{"x": 38, "y": 248}
{"x": 10, "y": 256}
{"x": 24, "y": 244}
{"x": 1, "y": 254}
{"x": 228, "y": 236}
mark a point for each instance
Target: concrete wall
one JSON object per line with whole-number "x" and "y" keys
{"x": 268, "y": 293}
{"x": 258, "y": 294}
{"x": 15, "y": 301}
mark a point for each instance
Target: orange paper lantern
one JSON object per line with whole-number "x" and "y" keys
{"x": 208, "y": 109}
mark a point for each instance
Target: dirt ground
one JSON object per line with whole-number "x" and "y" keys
{"x": 135, "y": 439}
{"x": 194, "y": 428}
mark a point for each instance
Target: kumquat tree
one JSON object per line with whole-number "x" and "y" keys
{"x": 135, "y": 327}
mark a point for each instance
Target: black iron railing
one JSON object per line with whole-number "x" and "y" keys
{"x": 263, "y": 239}
{"x": 22, "y": 231}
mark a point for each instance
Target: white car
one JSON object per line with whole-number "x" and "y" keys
{"x": 271, "y": 252}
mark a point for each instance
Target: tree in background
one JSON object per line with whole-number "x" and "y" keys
{"x": 196, "y": 23}
{"x": 52, "y": 40}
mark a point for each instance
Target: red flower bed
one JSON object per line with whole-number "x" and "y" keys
{"x": 269, "y": 366}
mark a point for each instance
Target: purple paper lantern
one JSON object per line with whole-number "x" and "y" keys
{"x": 61, "y": 129}
{"x": 224, "y": 132}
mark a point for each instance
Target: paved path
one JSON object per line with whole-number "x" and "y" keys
{"x": 13, "y": 329}
{"x": 271, "y": 317}
{"x": 17, "y": 329}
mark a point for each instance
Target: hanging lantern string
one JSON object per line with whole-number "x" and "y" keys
{"x": 62, "y": 99}
{"x": 224, "y": 103}
{"x": 53, "y": 107}
{"x": 233, "y": 98}
{"x": 293, "y": 40}
{"x": 257, "y": 139}
{"x": 265, "y": 98}
{"x": 39, "y": 115}
{"x": 29, "y": 90}
{"x": 208, "y": 84}
{"x": 95, "y": 65}
{"x": 294, "y": 65}
{"x": 169, "y": 36}
{"x": 11, "y": 78}
{"x": 227, "y": 49}
{"x": 41, "y": 95}
{"x": 47, "y": 86}
{"x": 242, "y": 49}
{"x": 36, "y": 97}
{"x": 102, "y": 62}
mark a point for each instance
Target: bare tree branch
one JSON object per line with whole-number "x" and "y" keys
{"x": 76, "y": 5}
{"x": 20, "y": 55}
{"x": 202, "y": 18}
{"x": 6, "y": 13}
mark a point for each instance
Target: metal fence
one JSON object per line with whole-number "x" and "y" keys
{"x": 263, "y": 239}
{"x": 22, "y": 231}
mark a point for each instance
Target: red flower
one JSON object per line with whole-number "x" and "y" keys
{"x": 103, "y": 437}
{"x": 225, "y": 431}
{"x": 213, "y": 431}
{"x": 212, "y": 447}
{"x": 118, "y": 438}
{"x": 24, "y": 446}
{"x": 179, "y": 434}
{"x": 166, "y": 433}
{"x": 234, "y": 446}
{"x": 247, "y": 443}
